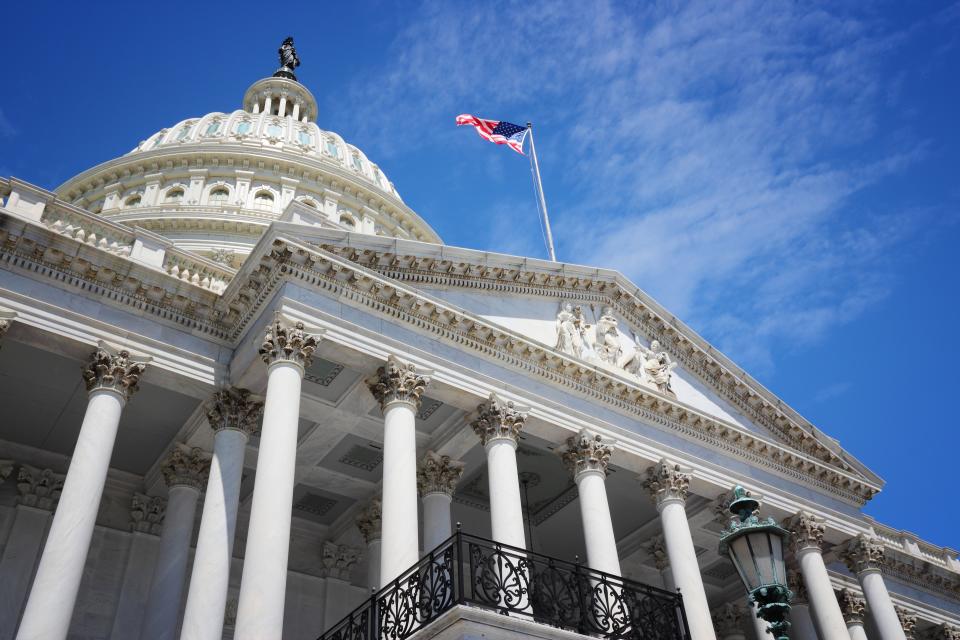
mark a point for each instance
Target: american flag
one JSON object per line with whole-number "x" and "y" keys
{"x": 496, "y": 131}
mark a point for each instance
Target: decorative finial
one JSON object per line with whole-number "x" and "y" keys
{"x": 289, "y": 60}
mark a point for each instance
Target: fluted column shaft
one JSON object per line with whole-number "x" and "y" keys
{"x": 398, "y": 388}
{"x": 668, "y": 486}
{"x": 111, "y": 378}
{"x": 166, "y": 588}
{"x": 587, "y": 456}
{"x": 864, "y": 556}
{"x": 286, "y": 351}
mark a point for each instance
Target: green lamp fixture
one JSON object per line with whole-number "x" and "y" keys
{"x": 755, "y": 545}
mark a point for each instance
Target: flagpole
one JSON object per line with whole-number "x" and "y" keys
{"x": 539, "y": 185}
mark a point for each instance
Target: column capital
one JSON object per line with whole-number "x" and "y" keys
{"x": 498, "y": 419}
{"x": 438, "y": 474}
{"x": 186, "y": 466}
{"x": 795, "y": 584}
{"x": 338, "y": 560}
{"x": 657, "y": 548}
{"x": 863, "y": 553}
{"x": 806, "y": 531}
{"x": 368, "y": 521}
{"x": 397, "y": 381}
{"x": 6, "y": 320}
{"x": 232, "y": 408}
{"x": 852, "y": 606}
{"x": 287, "y": 341}
{"x": 587, "y": 452}
{"x": 666, "y": 482}
{"x": 728, "y": 619}
{"x": 6, "y": 468}
{"x": 908, "y": 620}
{"x": 946, "y": 632}
{"x": 146, "y": 513}
{"x": 38, "y": 488}
{"x": 113, "y": 370}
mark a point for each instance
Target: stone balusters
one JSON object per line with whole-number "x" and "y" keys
{"x": 234, "y": 415}
{"x": 287, "y": 351}
{"x": 668, "y": 487}
{"x": 38, "y": 491}
{"x": 864, "y": 557}
{"x": 853, "y": 608}
{"x": 369, "y": 524}
{"x": 806, "y": 537}
{"x": 498, "y": 424}
{"x": 185, "y": 471}
{"x": 437, "y": 478}
{"x": 728, "y": 622}
{"x": 586, "y": 456}
{"x": 111, "y": 377}
{"x": 398, "y": 387}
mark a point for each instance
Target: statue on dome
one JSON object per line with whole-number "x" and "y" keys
{"x": 607, "y": 343}
{"x": 571, "y": 329}
{"x": 289, "y": 60}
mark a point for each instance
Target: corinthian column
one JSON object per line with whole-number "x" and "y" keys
{"x": 368, "y": 522}
{"x": 587, "y": 456}
{"x": 185, "y": 471}
{"x": 398, "y": 388}
{"x": 111, "y": 377}
{"x": 234, "y": 416}
{"x": 287, "y": 350}
{"x": 6, "y": 321}
{"x": 728, "y": 621}
{"x": 864, "y": 556}
{"x": 437, "y": 479}
{"x": 801, "y": 624}
{"x": 806, "y": 536}
{"x": 498, "y": 425}
{"x": 946, "y": 632}
{"x": 908, "y": 622}
{"x": 668, "y": 487}
{"x": 853, "y": 608}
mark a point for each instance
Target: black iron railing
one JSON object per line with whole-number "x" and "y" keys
{"x": 467, "y": 570}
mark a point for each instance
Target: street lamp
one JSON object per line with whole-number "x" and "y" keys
{"x": 755, "y": 546}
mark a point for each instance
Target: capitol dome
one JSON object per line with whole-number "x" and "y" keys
{"x": 212, "y": 184}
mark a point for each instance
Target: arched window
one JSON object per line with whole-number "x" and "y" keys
{"x": 347, "y": 221}
{"x": 219, "y": 195}
{"x": 132, "y": 201}
{"x": 213, "y": 128}
{"x": 243, "y": 127}
{"x": 357, "y": 163}
{"x": 174, "y": 195}
{"x": 184, "y": 133}
{"x": 332, "y": 148}
{"x": 263, "y": 200}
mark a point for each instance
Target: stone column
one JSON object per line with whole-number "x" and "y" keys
{"x": 801, "y": 624}
{"x": 657, "y": 549}
{"x": 287, "y": 350}
{"x": 368, "y": 522}
{"x": 146, "y": 521}
{"x": 728, "y": 622}
{"x": 668, "y": 487}
{"x": 185, "y": 471}
{"x": 587, "y": 456}
{"x": 864, "y": 557}
{"x": 853, "y": 608}
{"x": 38, "y": 491}
{"x": 498, "y": 425}
{"x": 806, "y": 536}
{"x": 437, "y": 479}
{"x": 908, "y": 622}
{"x": 111, "y": 378}
{"x": 398, "y": 388}
{"x": 233, "y": 415}
{"x": 338, "y": 561}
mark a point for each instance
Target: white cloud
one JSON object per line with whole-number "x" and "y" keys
{"x": 710, "y": 151}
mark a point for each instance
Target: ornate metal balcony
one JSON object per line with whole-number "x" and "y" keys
{"x": 467, "y": 570}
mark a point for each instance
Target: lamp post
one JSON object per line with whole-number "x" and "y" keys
{"x": 755, "y": 546}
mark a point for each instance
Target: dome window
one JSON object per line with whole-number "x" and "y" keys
{"x": 219, "y": 195}
{"x": 132, "y": 201}
{"x": 332, "y": 148}
{"x": 213, "y": 128}
{"x": 184, "y": 133}
{"x": 274, "y": 131}
{"x": 347, "y": 221}
{"x": 377, "y": 176}
{"x": 263, "y": 200}
{"x": 243, "y": 127}
{"x": 305, "y": 138}
{"x": 357, "y": 163}
{"x": 174, "y": 195}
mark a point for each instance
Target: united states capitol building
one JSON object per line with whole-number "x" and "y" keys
{"x": 249, "y": 393}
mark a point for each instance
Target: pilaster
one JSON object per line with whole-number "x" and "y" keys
{"x": 728, "y": 622}
{"x": 146, "y": 513}
{"x": 338, "y": 560}
{"x": 39, "y": 488}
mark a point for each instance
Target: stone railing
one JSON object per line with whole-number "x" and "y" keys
{"x": 909, "y": 544}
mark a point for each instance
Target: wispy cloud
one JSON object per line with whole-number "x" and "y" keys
{"x": 831, "y": 391}
{"x": 712, "y": 153}
{"x": 7, "y": 129}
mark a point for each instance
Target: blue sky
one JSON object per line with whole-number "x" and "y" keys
{"x": 781, "y": 175}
